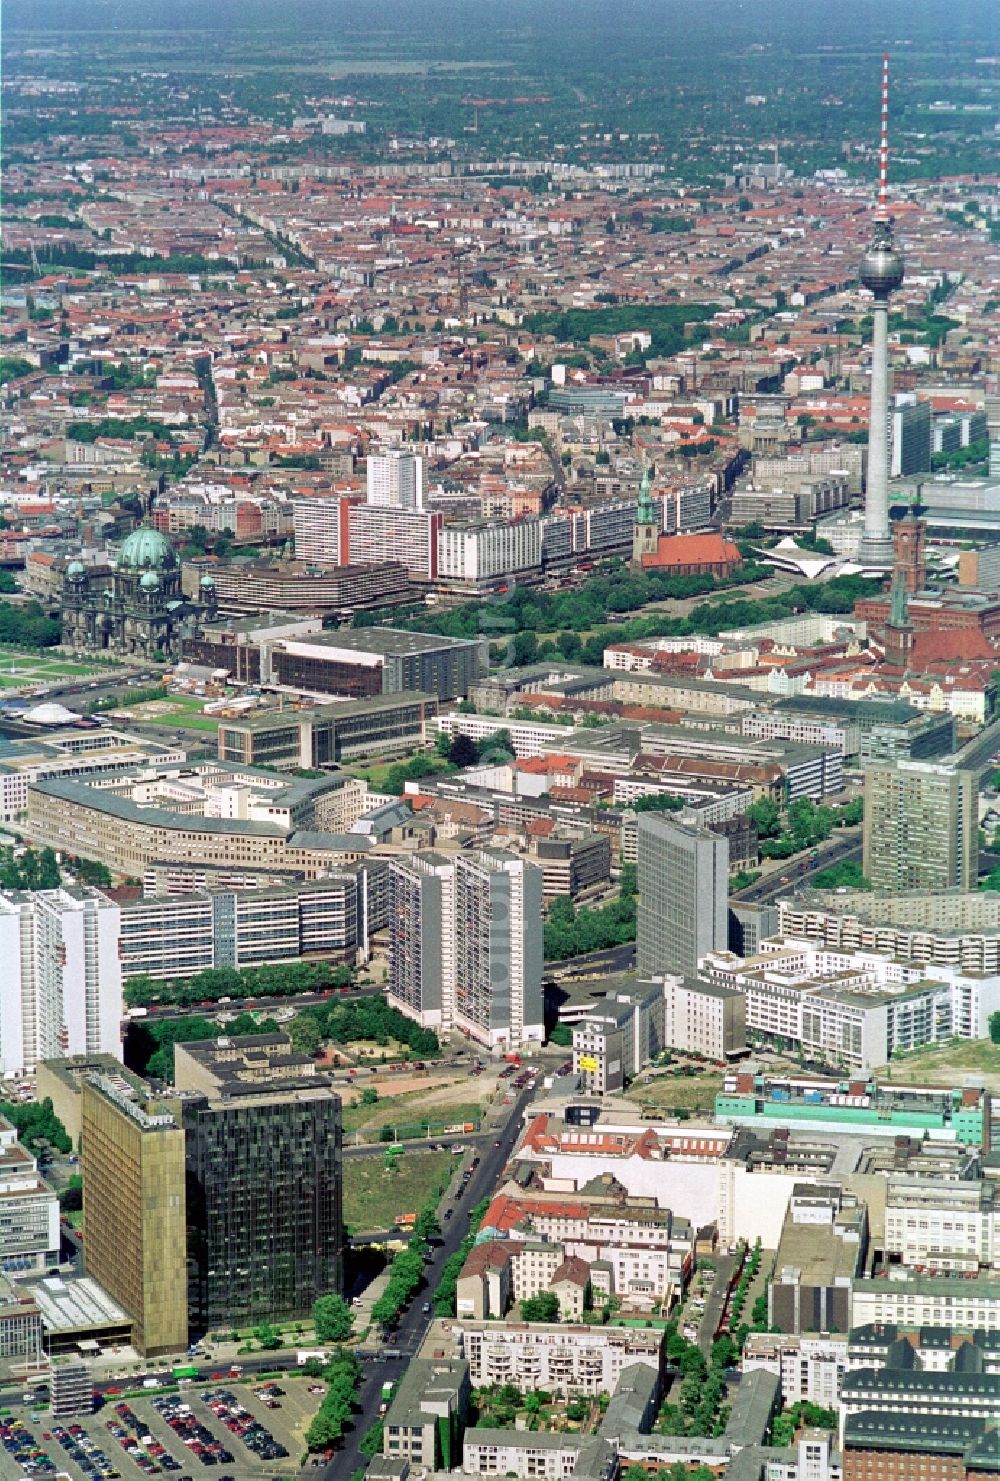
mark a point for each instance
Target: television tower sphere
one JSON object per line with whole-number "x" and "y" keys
{"x": 882, "y": 266}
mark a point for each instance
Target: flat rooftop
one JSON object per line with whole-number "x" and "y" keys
{"x": 388, "y": 642}
{"x": 76, "y": 1305}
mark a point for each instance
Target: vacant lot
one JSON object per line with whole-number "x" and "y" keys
{"x": 182, "y": 711}
{"x": 946, "y": 1065}
{"x": 673, "y": 1091}
{"x": 377, "y": 1189}
{"x": 444, "y": 1105}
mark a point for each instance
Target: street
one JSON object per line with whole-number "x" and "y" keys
{"x": 413, "y": 1323}
{"x": 790, "y": 875}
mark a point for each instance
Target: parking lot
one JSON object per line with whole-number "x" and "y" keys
{"x": 223, "y": 1431}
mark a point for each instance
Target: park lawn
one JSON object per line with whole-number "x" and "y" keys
{"x": 408, "y": 1109}
{"x": 374, "y": 1195}
{"x": 674, "y": 1092}
{"x": 945, "y": 1065}
{"x": 375, "y": 772}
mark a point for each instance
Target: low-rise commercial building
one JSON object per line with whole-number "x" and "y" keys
{"x": 426, "y": 1419}
{"x": 381, "y": 725}
{"x": 359, "y": 663}
{"x": 911, "y": 1300}
{"x": 620, "y": 1036}
{"x": 823, "y": 1247}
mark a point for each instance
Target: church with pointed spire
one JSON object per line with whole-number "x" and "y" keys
{"x": 648, "y": 521}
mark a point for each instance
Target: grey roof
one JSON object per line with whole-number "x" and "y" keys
{"x": 76, "y": 1305}
{"x": 890, "y": 1430}
{"x": 918, "y": 1381}
{"x": 346, "y": 709}
{"x": 389, "y": 642}
{"x": 755, "y": 1400}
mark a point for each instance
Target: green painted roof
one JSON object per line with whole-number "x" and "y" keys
{"x": 148, "y": 550}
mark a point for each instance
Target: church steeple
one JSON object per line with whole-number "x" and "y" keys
{"x": 648, "y": 520}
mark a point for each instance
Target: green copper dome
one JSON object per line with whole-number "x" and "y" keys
{"x": 146, "y": 550}
{"x": 74, "y": 569}
{"x": 149, "y": 581}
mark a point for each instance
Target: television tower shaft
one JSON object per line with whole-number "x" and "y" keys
{"x": 882, "y": 270}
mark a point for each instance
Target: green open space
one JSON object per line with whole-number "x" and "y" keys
{"x": 945, "y": 1065}
{"x": 21, "y": 666}
{"x": 378, "y": 1189}
{"x": 182, "y": 711}
{"x": 408, "y": 1111}
{"x": 675, "y": 1090}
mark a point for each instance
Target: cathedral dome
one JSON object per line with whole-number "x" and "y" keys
{"x": 74, "y": 570}
{"x": 149, "y": 581}
{"x": 147, "y": 550}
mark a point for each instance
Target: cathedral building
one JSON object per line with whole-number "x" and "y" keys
{"x": 139, "y": 610}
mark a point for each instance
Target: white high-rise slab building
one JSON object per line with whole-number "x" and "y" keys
{"x": 465, "y": 944}
{"x": 396, "y": 477}
{"x": 60, "y": 976}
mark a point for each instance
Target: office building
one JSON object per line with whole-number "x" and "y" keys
{"x": 935, "y": 1226}
{"x": 262, "y": 1143}
{"x": 395, "y": 478}
{"x": 379, "y": 660}
{"x": 921, "y": 827}
{"x": 62, "y": 980}
{"x": 704, "y": 1018}
{"x": 683, "y": 881}
{"x": 909, "y": 437}
{"x": 134, "y": 1209}
{"x": 426, "y": 1419}
{"x": 881, "y": 1445}
{"x": 498, "y": 949}
{"x": 20, "y": 1332}
{"x": 622, "y": 1034}
{"x": 29, "y": 1210}
{"x": 927, "y": 1301}
{"x": 382, "y": 725}
{"x": 246, "y": 823}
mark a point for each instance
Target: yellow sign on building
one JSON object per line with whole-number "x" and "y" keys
{"x": 588, "y": 1063}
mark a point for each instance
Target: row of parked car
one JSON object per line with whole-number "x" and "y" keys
{"x": 143, "y": 1449}
{"x": 240, "y": 1422}
{"x": 20, "y": 1445}
{"x": 192, "y": 1433}
{"x": 83, "y": 1451}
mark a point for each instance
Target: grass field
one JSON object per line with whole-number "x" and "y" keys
{"x": 406, "y": 1110}
{"x": 946, "y": 1065}
{"x": 19, "y": 668}
{"x": 674, "y": 1092}
{"x": 182, "y": 711}
{"x": 375, "y": 1194}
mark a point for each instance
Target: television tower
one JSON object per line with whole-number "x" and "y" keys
{"x": 881, "y": 273}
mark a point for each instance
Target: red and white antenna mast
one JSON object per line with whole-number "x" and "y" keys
{"x": 882, "y": 213}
